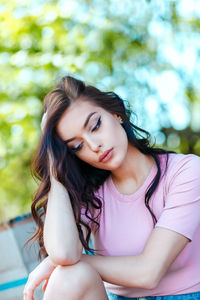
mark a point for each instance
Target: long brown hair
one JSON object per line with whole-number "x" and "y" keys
{"x": 79, "y": 178}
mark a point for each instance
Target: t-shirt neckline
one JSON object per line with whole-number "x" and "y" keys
{"x": 140, "y": 191}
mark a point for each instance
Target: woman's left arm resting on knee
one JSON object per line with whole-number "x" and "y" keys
{"x": 144, "y": 270}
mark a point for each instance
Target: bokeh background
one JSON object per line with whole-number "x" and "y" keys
{"x": 146, "y": 51}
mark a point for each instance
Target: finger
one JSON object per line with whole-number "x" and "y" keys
{"x": 28, "y": 293}
{"x": 30, "y": 288}
{"x": 44, "y": 285}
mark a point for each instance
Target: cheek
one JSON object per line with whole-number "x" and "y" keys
{"x": 122, "y": 145}
{"x": 115, "y": 136}
{"x": 112, "y": 128}
{"x": 86, "y": 155}
{"x": 120, "y": 136}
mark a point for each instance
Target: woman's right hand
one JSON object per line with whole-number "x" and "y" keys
{"x": 42, "y": 272}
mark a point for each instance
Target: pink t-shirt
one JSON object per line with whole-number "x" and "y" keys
{"x": 126, "y": 224}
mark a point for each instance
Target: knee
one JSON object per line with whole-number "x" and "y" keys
{"x": 71, "y": 282}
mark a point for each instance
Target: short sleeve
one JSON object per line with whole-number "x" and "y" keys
{"x": 181, "y": 211}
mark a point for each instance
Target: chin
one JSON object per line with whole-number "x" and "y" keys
{"x": 115, "y": 164}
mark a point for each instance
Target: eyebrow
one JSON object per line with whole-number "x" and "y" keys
{"x": 84, "y": 125}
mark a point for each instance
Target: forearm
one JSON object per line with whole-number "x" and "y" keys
{"x": 61, "y": 238}
{"x": 129, "y": 271}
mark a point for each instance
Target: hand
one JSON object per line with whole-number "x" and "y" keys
{"x": 42, "y": 272}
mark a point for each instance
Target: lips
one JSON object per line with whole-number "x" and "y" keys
{"x": 104, "y": 155}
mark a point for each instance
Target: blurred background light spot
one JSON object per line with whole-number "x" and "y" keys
{"x": 195, "y": 116}
{"x": 179, "y": 116}
{"x": 50, "y": 16}
{"x": 173, "y": 140}
{"x": 91, "y": 69}
{"x": 25, "y": 41}
{"x": 16, "y": 130}
{"x": 25, "y": 75}
{"x": 151, "y": 105}
{"x": 18, "y": 115}
{"x": 167, "y": 84}
{"x": 106, "y": 82}
{"x": 142, "y": 74}
{"x": 19, "y": 59}
{"x": 67, "y": 7}
{"x": 183, "y": 57}
{"x": 47, "y": 45}
{"x": 12, "y": 90}
{"x": 6, "y": 108}
{"x": 19, "y": 12}
{"x": 4, "y": 58}
{"x": 35, "y": 8}
{"x": 58, "y": 60}
{"x": 121, "y": 91}
{"x": 99, "y": 21}
{"x": 45, "y": 58}
{"x": 83, "y": 14}
{"x": 160, "y": 138}
{"x": 40, "y": 76}
{"x": 2, "y": 162}
{"x": 34, "y": 106}
{"x": 47, "y": 18}
{"x": 186, "y": 8}
{"x": 21, "y": 2}
{"x": 2, "y": 7}
{"x": 17, "y": 143}
{"x": 80, "y": 61}
{"x": 2, "y": 149}
{"x": 197, "y": 8}
{"x": 93, "y": 40}
{"x": 119, "y": 8}
{"x": 165, "y": 121}
{"x": 156, "y": 28}
{"x": 47, "y": 32}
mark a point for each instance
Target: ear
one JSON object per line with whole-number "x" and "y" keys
{"x": 117, "y": 117}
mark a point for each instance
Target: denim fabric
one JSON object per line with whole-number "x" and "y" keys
{"x": 192, "y": 296}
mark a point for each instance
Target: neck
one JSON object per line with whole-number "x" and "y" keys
{"x": 135, "y": 167}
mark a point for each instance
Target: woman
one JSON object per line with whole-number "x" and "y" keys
{"x": 141, "y": 204}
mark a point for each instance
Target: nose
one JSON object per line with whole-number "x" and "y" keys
{"x": 94, "y": 145}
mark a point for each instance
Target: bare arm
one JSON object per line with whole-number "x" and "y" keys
{"x": 144, "y": 270}
{"x": 61, "y": 238}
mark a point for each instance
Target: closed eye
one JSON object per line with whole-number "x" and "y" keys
{"x": 93, "y": 129}
{"x": 77, "y": 148}
{"x": 97, "y": 125}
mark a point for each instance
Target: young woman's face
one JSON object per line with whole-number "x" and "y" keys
{"x": 94, "y": 135}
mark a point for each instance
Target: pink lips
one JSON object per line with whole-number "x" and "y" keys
{"x": 106, "y": 155}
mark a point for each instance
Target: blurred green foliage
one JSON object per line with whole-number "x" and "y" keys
{"x": 146, "y": 51}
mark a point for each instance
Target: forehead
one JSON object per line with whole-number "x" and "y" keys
{"x": 74, "y": 117}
